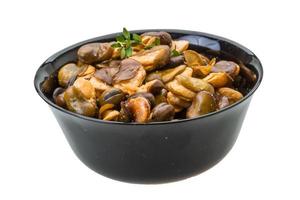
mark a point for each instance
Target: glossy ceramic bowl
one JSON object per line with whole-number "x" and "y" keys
{"x": 155, "y": 152}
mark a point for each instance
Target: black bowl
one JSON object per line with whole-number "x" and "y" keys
{"x": 155, "y": 152}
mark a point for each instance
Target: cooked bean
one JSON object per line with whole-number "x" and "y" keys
{"x": 203, "y": 103}
{"x": 176, "y": 61}
{"x": 139, "y": 108}
{"x": 229, "y": 67}
{"x": 95, "y": 52}
{"x": 58, "y": 97}
{"x": 176, "y": 101}
{"x": 111, "y": 115}
{"x": 161, "y": 97}
{"x": 182, "y": 92}
{"x": 125, "y": 115}
{"x": 76, "y": 102}
{"x": 128, "y": 69}
{"x": 130, "y": 86}
{"x": 195, "y": 84}
{"x": 163, "y": 112}
{"x": 223, "y": 102}
{"x": 49, "y": 85}
{"x": 194, "y": 58}
{"x": 154, "y": 58}
{"x": 219, "y": 79}
{"x": 66, "y": 73}
{"x": 232, "y": 95}
{"x": 166, "y": 75}
{"x": 164, "y": 37}
{"x": 248, "y": 74}
{"x": 154, "y": 87}
{"x": 146, "y": 95}
{"x": 111, "y": 96}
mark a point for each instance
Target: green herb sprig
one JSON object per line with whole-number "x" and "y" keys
{"x": 125, "y": 43}
{"x": 155, "y": 43}
{"x": 174, "y": 52}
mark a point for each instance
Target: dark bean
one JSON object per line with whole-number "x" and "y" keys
{"x": 163, "y": 112}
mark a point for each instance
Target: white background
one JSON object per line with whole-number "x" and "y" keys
{"x": 36, "y": 161}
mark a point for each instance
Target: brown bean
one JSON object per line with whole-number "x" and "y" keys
{"x": 194, "y": 84}
{"x": 203, "y": 103}
{"x": 139, "y": 108}
{"x": 77, "y": 103}
{"x": 95, "y": 52}
{"x": 154, "y": 87}
{"x": 154, "y": 58}
{"x": 194, "y": 58}
{"x": 58, "y": 97}
{"x": 232, "y": 95}
{"x": 176, "y": 61}
{"x": 111, "y": 96}
{"x": 180, "y": 91}
{"x": 229, "y": 67}
{"x": 176, "y": 101}
{"x": 111, "y": 115}
{"x": 223, "y": 102}
{"x": 66, "y": 73}
{"x": 248, "y": 73}
{"x": 164, "y": 37}
{"x": 146, "y": 95}
{"x": 219, "y": 79}
{"x": 163, "y": 112}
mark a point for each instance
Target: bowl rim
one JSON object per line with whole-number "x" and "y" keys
{"x": 52, "y": 58}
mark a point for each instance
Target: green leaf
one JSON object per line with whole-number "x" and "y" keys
{"x": 120, "y": 38}
{"x": 128, "y": 43}
{"x": 133, "y": 42}
{"x": 123, "y": 53}
{"x": 175, "y": 53}
{"x": 136, "y": 37}
{"x": 116, "y": 45}
{"x": 126, "y": 34}
{"x": 128, "y": 52}
{"x": 156, "y": 41}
